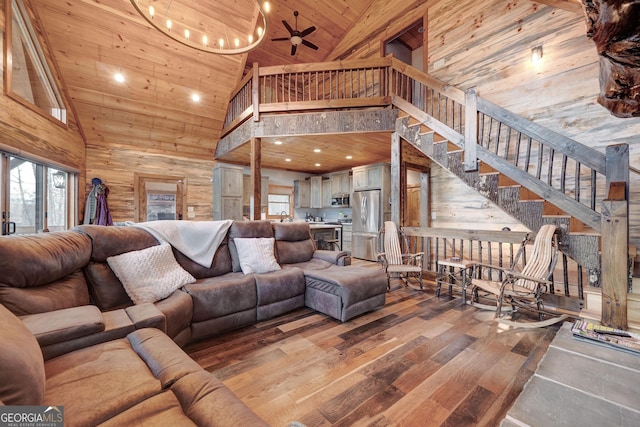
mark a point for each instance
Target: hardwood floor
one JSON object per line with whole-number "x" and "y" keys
{"x": 418, "y": 361}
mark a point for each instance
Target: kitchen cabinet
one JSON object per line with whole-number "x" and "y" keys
{"x": 375, "y": 177}
{"x": 302, "y": 193}
{"x": 341, "y": 183}
{"x": 246, "y": 191}
{"x": 326, "y": 193}
{"x": 227, "y": 192}
{"x": 370, "y": 177}
{"x": 316, "y": 191}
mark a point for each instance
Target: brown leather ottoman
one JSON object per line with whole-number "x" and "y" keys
{"x": 344, "y": 292}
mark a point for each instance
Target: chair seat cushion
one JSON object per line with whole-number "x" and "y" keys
{"x": 404, "y": 269}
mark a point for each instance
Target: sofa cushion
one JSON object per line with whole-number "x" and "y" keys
{"x": 21, "y": 364}
{"x": 64, "y": 325}
{"x": 98, "y": 382}
{"x": 69, "y": 291}
{"x": 256, "y": 255}
{"x": 44, "y": 258}
{"x": 223, "y": 295}
{"x": 246, "y": 229}
{"x": 104, "y": 287}
{"x": 43, "y": 272}
{"x": 220, "y": 265}
{"x": 293, "y": 242}
{"x": 150, "y": 274}
{"x": 163, "y": 409}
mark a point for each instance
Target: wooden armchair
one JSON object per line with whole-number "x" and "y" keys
{"x": 391, "y": 242}
{"x": 522, "y": 288}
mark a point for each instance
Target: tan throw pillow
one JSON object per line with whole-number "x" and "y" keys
{"x": 256, "y": 254}
{"x": 150, "y": 274}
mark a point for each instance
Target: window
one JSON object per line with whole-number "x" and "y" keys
{"x": 29, "y": 79}
{"x": 35, "y": 197}
{"x": 279, "y": 201}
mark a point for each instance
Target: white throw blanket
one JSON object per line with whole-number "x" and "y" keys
{"x": 198, "y": 240}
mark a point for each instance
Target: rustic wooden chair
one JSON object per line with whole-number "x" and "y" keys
{"x": 522, "y": 288}
{"x": 391, "y": 242}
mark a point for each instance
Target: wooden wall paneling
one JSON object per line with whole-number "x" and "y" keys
{"x": 116, "y": 166}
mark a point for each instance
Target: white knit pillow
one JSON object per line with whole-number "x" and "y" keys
{"x": 256, "y": 254}
{"x": 150, "y": 274}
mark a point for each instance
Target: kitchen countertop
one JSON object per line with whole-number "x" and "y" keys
{"x": 321, "y": 225}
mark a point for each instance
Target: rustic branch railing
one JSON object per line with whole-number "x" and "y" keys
{"x": 572, "y": 169}
{"x": 497, "y": 248}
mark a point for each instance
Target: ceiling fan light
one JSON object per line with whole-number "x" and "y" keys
{"x": 296, "y": 40}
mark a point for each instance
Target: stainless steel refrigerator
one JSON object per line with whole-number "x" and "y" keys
{"x": 367, "y": 216}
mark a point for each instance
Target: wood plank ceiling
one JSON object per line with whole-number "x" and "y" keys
{"x": 152, "y": 110}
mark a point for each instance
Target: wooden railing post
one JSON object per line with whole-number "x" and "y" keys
{"x": 470, "y": 129}
{"x": 255, "y": 92}
{"x": 615, "y": 237}
{"x": 615, "y": 264}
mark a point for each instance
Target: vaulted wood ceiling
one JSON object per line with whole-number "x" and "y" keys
{"x": 152, "y": 110}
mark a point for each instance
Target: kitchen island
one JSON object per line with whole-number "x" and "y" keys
{"x": 323, "y": 232}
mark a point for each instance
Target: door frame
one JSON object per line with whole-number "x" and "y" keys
{"x": 138, "y": 189}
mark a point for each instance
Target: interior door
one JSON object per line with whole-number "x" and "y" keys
{"x": 159, "y": 197}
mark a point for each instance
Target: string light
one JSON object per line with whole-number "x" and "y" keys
{"x": 197, "y": 34}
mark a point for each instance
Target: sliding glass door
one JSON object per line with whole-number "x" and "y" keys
{"x": 35, "y": 197}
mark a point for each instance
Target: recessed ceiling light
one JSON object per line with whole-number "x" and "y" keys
{"x": 119, "y": 77}
{"x": 349, "y": 157}
{"x": 316, "y": 150}
{"x": 278, "y": 142}
{"x": 287, "y": 160}
{"x": 195, "y": 97}
{"x": 317, "y": 164}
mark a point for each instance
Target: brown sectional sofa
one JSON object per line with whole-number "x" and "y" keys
{"x": 86, "y": 336}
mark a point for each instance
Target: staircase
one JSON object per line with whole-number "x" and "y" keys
{"x": 535, "y": 175}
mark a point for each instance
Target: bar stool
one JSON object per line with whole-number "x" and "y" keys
{"x": 329, "y": 244}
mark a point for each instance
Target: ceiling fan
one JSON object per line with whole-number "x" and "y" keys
{"x": 297, "y": 37}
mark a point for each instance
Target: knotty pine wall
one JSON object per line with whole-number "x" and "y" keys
{"x": 488, "y": 44}
{"x": 115, "y": 166}
{"x": 34, "y": 136}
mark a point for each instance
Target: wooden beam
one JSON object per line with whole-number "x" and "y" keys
{"x": 396, "y": 159}
{"x": 615, "y": 258}
{"x": 256, "y": 178}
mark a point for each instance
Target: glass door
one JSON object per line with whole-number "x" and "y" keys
{"x": 25, "y": 197}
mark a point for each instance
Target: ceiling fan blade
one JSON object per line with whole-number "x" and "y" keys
{"x": 279, "y": 39}
{"x": 309, "y": 44}
{"x": 287, "y": 26}
{"x": 308, "y": 31}
{"x": 293, "y": 49}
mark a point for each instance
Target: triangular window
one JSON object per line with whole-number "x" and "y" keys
{"x": 29, "y": 79}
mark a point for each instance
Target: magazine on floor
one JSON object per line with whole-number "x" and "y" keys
{"x": 606, "y": 336}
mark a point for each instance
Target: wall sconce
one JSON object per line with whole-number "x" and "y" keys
{"x": 59, "y": 179}
{"x": 536, "y": 55}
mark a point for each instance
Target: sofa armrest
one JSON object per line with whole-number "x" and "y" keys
{"x": 334, "y": 257}
{"x": 147, "y": 316}
{"x": 63, "y": 325}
